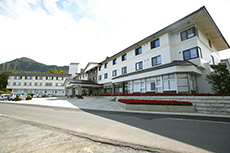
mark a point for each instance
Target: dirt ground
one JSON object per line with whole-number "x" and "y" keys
{"x": 20, "y": 136}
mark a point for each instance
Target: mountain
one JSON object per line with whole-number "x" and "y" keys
{"x": 26, "y": 64}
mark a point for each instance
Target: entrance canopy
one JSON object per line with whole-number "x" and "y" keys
{"x": 82, "y": 83}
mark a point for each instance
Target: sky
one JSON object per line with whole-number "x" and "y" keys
{"x": 60, "y": 32}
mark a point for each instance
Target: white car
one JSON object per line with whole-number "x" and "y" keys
{"x": 5, "y": 96}
{"x": 14, "y": 95}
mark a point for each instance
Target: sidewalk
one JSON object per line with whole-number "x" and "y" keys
{"x": 96, "y": 103}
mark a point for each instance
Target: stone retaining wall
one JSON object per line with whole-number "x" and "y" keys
{"x": 203, "y": 104}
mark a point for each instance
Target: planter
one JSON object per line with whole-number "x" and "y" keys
{"x": 17, "y": 99}
{"x": 160, "y": 108}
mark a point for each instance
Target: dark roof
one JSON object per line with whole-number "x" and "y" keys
{"x": 74, "y": 63}
{"x": 86, "y": 82}
{"x": 39, "y": 74}
{"x": 153, "y": 35}
{"x": 173, "y": 63}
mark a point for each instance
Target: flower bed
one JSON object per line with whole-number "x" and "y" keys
{"x": 169, "y": 94}
{"x": 155, "y": 102}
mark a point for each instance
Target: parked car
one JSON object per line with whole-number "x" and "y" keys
{"x": 14, "y": 95}
{"x": 37, "y": 95}
{"x": 1, "y": 97}
{"x": 4, "y": 96}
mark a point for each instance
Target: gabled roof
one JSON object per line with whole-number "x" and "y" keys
{"x": 39, "y": 74}
{"x": 93, "y": 65}
{"x": 200, "y": 18}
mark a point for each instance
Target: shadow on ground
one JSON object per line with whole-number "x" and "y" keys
{"x": 197, "y": 131}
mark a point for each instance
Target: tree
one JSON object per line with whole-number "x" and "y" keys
{"x": 57, "y": 71}
{"x": 3, "y": 82}
{"x": 220, "y": 78}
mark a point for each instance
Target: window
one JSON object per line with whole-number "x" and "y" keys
{"x": 169, "y": 82}
{"x": 18, "y": 77}
{"x": 153, "y": 86}
{"x": 105, "y": 75}
{"x": 99, "y": 68}
{"x": 114, "y": 61}
{"x": 213, "y": 61}
{"x": 191, "y": 53}
{"x": 99, "y": 77}
{"x": 114, "y": 73}
{"x": 17, "y": 83}
{"x": 59, "y": 84}
{"x": 156, "y": 60}
{"x": 139, "y": 65}
{"x": 27, "y": 83}
{"x": 48, "y": 84}
{"x": 124, "y": 57}
{"x": 138, "y": 51}
{"x": 59, "y": 78}
{"x": 210, "y": 43}
{"x": 38, "y": 78}
{"x": 49, "y": 78}
{"x": 38, "y": 84}
{"x": 189, "y": 33}
{"x": 94, "y": 78}
{"x": 28, "y": 77}
{"x": 124, "y": 70}
{"x": 155, "y": 43}
{"x": 106, "y": 65}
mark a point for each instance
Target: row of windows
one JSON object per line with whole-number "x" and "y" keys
{"x": 138, "y": 66}
{"x": 38, "y": 78}
{"x": 138, "y": 51}
{"x": 189, "y": 33}
{"x": 114, "y": 73}
{"x": 35, "y": 84}
{"x": 188, "y": 54}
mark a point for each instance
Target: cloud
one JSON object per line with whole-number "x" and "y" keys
{"x": 64, "y": 31}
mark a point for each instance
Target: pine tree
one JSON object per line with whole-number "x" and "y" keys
{"x": 220, "y": 78}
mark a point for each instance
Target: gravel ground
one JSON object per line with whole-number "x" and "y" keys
{"x": 20, "y": 136}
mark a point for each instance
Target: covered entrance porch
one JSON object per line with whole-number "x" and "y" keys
{"x": 75, "y": 87}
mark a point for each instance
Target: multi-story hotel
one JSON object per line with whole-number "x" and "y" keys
{"x": 41, "y": 83}
{"x": 175, "y": 59}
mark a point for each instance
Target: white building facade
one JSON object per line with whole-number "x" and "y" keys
{"x": 37, "y": 83}
{"x": 175, "y": 59}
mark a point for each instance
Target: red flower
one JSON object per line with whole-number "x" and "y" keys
{"x": 155, "y": 102}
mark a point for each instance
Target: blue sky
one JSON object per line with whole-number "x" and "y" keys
{"x": 63, "y": 31}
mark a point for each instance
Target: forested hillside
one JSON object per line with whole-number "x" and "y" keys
{"x": 26, "y": 64}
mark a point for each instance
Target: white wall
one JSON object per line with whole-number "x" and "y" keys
{"x": 73, "y": 69}
{"x": 56, "y": 90}
{"x": 171, "y": 48}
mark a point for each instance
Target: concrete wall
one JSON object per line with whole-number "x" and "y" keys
{"x": 203, "y": 104}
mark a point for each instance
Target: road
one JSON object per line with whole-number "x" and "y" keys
{"x": 155, "y": 132}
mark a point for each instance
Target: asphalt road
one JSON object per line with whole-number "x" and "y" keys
{"x": 155, "y": 132}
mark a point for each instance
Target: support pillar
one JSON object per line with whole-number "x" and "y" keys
{"x": 73, "y": 91}
{"x": 113, "y": 88}
{"x": 79, "y": 90}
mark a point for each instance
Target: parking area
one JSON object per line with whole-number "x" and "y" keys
{"x": 89, "y": 102}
